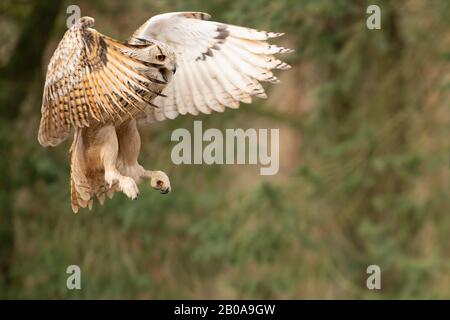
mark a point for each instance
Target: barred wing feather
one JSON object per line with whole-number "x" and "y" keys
{"x": 218, "y": 65}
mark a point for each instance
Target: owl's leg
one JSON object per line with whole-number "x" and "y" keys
{"x": 109, "y": 153}
{"x": 130, "y": 146}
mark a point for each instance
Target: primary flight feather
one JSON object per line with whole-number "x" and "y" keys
{"x": 103, "y": 89}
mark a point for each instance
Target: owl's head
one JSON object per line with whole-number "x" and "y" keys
{"x": 159, "y": 55}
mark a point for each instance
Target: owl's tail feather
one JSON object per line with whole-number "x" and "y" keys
{"x": 85, "y": 186}
{"x": 81, "y": 191}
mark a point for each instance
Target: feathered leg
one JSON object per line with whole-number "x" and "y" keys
{"x": 107, "y": 138}
{"x": 127, "y": 162}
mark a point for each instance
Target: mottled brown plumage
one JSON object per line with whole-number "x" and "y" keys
{"x": 92, "y": 78}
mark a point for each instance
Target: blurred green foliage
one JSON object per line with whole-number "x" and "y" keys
{"x": 364, "y": 120}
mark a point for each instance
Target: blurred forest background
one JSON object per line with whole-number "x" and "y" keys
{"x": 364, "y": 128}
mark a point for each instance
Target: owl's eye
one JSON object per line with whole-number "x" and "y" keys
{"x": 160, "y": 57}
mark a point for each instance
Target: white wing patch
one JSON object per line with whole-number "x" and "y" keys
{"x": 218, "y": 65}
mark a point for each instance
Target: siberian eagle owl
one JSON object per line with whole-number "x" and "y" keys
{"x": 102, "y": 90}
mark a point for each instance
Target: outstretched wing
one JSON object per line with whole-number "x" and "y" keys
{"x": 89, "y": 79}
{"x": 218, "y": 65}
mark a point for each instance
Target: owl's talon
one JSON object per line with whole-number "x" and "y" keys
{"x": 129, "y": 187}
{"x": 159, "y": 181}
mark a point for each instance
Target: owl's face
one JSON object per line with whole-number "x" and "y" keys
{"x": 160, "y": 56}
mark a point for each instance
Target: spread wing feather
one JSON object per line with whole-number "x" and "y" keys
{"x": 90, "y": 79}
{"x": 219, "y": 65}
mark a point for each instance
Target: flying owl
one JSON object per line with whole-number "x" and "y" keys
{"x": 102, "y": 90}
